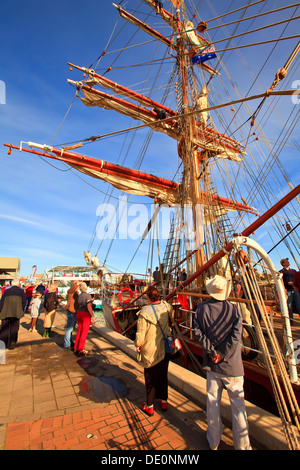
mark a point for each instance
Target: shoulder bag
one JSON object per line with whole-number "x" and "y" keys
{"x": 168, "y": 340}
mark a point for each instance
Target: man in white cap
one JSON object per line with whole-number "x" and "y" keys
{"x": 218, "y": 328}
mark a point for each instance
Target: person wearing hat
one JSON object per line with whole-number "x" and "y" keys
{"x": 293, "y": 297}
{"x": 218, "y": 328}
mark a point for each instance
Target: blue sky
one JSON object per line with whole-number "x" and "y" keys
{"x": 48, "y": 214}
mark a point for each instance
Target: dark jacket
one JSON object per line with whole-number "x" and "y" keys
{"x": 40, "y": 288}
{"x": 12, "y": 303}
{"x": 51, "y": 301}
{"x": 218, "y": 328}
{"x": 288, "y": 276}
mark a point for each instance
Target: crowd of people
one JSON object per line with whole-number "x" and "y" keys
{"x": 217, "y": 326}
{"x": 16, "y": 301}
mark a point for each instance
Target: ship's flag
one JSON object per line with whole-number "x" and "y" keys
{"x": 207, "y": 54}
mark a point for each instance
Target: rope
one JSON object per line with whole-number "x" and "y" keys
{"x": 254, "y": 17}
{"x": 249, "y": 279}
{"x": 257, "y": 29}
{"x": 283, "y": 71}
{"x": 234, "y": 11}
{"x": 258, "y": 43}
{"x": 64, "y": 118}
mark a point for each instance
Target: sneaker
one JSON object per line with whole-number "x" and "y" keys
{"x": 149, "y": 410}
{"x": 163, "y": 405}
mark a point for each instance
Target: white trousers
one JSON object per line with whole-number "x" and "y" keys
{"x": 235, "y": 389}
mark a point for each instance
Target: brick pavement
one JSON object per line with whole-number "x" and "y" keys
{"x": 51, "y": 400}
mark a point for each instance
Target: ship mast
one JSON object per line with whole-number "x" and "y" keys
{"x": 189, "y": 137}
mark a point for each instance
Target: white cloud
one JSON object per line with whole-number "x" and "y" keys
{"x": 40, "y": 253}
{"x": 49, "y": 225}
{"x": 21, "y": 220}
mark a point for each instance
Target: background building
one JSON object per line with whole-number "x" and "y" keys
{"x": 9, "y": 269}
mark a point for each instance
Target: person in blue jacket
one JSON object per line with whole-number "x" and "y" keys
{"x": 218, "y": 328}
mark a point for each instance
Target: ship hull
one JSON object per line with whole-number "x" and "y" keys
{"x": 109, "y": 317}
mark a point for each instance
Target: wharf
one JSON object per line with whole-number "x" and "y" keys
{"x": 53, "y": 400}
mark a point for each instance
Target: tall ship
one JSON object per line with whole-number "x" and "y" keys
{"x": 196, "y": 90}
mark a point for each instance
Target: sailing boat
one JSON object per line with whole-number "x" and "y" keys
{"x": 229, "y": 180}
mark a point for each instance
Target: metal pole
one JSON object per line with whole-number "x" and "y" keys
{"x": 282, "y": 300}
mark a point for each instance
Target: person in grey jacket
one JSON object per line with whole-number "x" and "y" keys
{"x": 218, "y": 328}
{"x": 151, "y": 352}
{"x": 12, "y": 305}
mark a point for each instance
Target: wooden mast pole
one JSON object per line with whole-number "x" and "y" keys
{"x": 189, "y": 135}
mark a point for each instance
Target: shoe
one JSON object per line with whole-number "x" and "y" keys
{"x": 163, "y": 405}
{"x": 149, "y": 410}
{"x": 12, "y": 346}
{"x": 81, "y": 353}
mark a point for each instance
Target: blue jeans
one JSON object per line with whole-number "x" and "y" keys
{"x": 71, "y": 323}
{"x": 28, "y": 300}
{"x": 293, "y": 296}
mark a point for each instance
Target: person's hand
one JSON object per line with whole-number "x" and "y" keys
{"x": 138, "y": 349}
{"x": 216, "y": 358}
{"x": 92, "y": 320}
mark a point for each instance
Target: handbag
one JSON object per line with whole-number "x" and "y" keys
{"x": 168, "y": 340}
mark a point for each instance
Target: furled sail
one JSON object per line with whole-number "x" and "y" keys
{"x": 207, "y": 138}
{"x": 163, "y": 191}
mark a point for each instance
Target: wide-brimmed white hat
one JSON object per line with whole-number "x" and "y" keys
{"x": 218, "y": 287}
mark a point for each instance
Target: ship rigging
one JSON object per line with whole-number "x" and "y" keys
{"x": 228, "y": 179}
